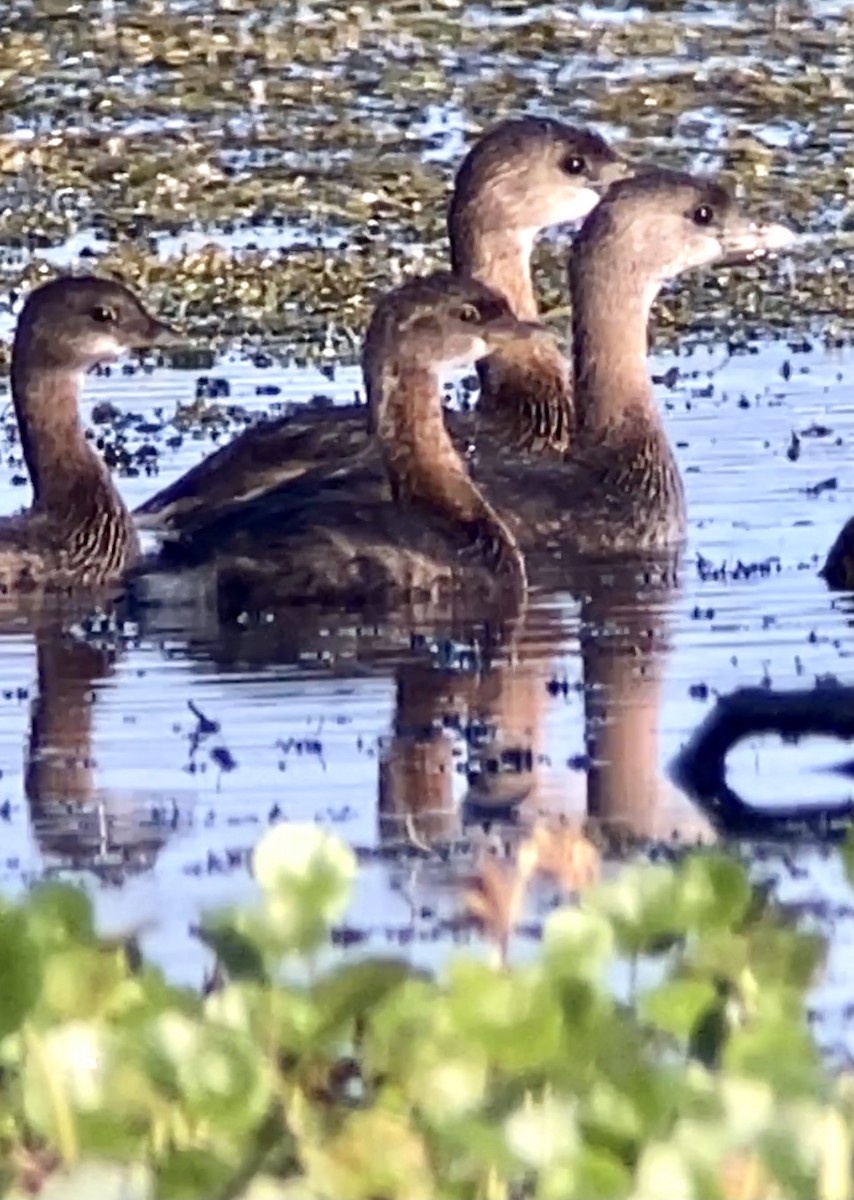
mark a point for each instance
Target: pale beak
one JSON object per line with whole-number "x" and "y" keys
{"x": 620, "y": 168}
{"x": 744, "y": 240}
{"x": 504, "y": 330}
{"x": 158, "y": 333}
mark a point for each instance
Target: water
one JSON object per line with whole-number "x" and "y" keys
{"x": 331, "y": 726}
{"x": 390, "y": 745}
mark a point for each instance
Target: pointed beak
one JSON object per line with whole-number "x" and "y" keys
{"x": 162, "y": 334}
{"x": 611, "y": 172}
{"x": 153, "y": 332}
{"x": 504, "y": 330}
{"x": 745, "y": 240}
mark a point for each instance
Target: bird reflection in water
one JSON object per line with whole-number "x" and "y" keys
{"x": 469, "y": 747}
{"x": 77, "y": 824}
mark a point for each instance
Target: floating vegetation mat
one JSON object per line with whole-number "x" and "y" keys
{"x": 264, "y": 168}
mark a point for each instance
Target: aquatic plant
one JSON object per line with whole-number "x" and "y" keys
{"x": 325, "y": 135}
{"x": 655, "y": 1045}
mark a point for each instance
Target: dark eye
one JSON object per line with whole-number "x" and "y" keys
{"x": 703, "y": 215}
{"x": 468, "y": 312}
{"x": 574, "y": 164}
{"x": 103, "y": 314}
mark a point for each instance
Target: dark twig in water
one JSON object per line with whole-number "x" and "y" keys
{"x": 206, "y": 725}
{"x": 700, "y": 767}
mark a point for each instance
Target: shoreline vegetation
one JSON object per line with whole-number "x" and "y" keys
{"x": 261, "y": 171}
{"x": 657, "y": 1044}
{"x": 334, "y": 133}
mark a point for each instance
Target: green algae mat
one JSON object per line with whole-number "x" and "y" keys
{"x": 332, "y": 131}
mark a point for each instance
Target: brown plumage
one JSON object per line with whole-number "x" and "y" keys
{"x": 511, "y": 186}
{"x": 523, "y": 176}
{"x": 333, "y": 532}
{"x": 340, "y": 535}
{"x": 78, "y": 530}
{"x": 619, "y": 489}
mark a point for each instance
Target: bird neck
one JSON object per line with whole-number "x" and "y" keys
{"x": 423, "y": 464}
{"x": 611, "y": 307}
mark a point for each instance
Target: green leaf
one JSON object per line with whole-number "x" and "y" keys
{"x": 59, "y": 915}
{"x": 716, "y": 891}
{"x": 651, "y": 1093}
{"x": 191, "y": 1175}
{"x": 239, "y": 954}
{"x": 578, "y": 943}
{"x": 272, "y": 935}
{"x": 847, "y": 852}
{"x": 748, "y": 1106}
{"x": 781, "y": 955}
{"x": 354, "y": 990}
{"x": 644, "y": 906}
{"x": 140, "y": 996}
{"x": 599, "y": 1176}
{"x": 676, "y": 1007}
{"x": 306, "y": 875}
{"x": 451, "y": 1085}
{"x": 65, "y": 1070}
{"x": 783, "y": 1156}
{"x": 265, "y": 1188}
{"x": 664, "y": 1171}
{"x": 515, "y": 1018}
{"x": 219, "y": 1075}
{"x": 410, "y": 1038}
{"x": 720, "y": 955}
{"x": 609, "y": 1110}
{"x": 557, "y": 1181}
{"x": 544, "y": 1132}
{"x": 406, "y": 1018}
{"x": 308, "y": 860}
{"x": 591, "y": 1175}
{"x": 824, "y": 1137}
{"x": 20, "y": 971}
{"x": 779, "y": 1051}
{"x": 375, "y": 1153}
{"x": 84, "y": 1092}
{"x": 80, "y": 981}
{"x": 467, "y": 1148}
{"x": 116, "y": 1134}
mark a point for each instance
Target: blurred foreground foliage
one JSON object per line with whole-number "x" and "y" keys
{"x": 656, "y": 1045}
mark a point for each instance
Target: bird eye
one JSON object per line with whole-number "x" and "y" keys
{"x": 703, "y": 215}
{"x": 468, "y": 312}
{"x": 103, "y": 314}
{"x": 574, "y": 164}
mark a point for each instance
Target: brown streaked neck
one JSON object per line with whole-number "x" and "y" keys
{"x": 62, "y": 465}
{"x": 611, "y": 305}
{"x": 422, "y": 461}
{"x": 528, "y": 390}
{"x": 526, "y": 387}
{"x": 500, "y": 258}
